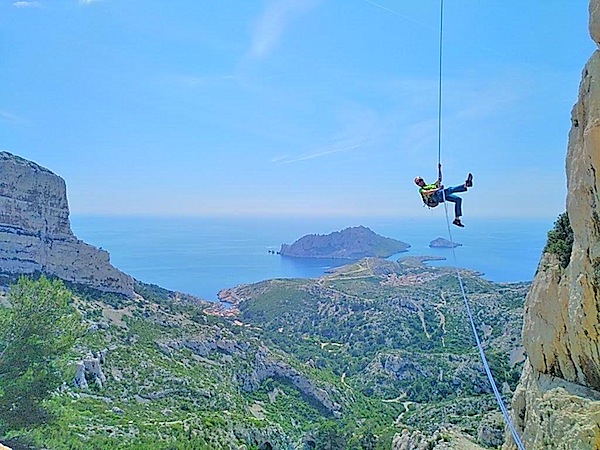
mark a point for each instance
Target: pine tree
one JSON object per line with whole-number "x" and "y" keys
{"x": 329, "y": 436}
{"x": 560, "y": 239}
{"x": 39, "y": 327}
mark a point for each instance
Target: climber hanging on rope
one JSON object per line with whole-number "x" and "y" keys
{"x": 434, "y": 194}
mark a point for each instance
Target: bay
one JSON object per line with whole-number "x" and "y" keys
{"x": 202, "y": 255}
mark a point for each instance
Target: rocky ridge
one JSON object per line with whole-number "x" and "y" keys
{"x": 558, "y": 399}
{"x": 264, "y": 365}
{"x": 36, "y": 235}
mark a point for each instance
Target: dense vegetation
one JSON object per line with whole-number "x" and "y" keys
{"x": 37, "y": 329}
{"x": 342, "y": 362}
{"x": 396, "y": 334}
{"x": 560, "y": 240}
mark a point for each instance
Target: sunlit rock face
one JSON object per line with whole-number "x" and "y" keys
{"x": 35, "y": 232}
{"x": 557, "y": 404}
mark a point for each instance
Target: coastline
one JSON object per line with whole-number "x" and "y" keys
{"x": 202, "y": 256}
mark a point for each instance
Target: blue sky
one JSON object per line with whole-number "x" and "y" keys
{"x": 296, "y": 107}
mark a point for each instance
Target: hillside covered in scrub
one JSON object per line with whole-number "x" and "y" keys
{"x": 364, "y": 357}
{"x": 356, "y": 359}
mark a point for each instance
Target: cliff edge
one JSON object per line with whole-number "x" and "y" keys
{"x": 35, "y": 232}
{"x": 557, "y": 403}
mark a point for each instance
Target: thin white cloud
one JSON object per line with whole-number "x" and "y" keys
{"x": 6, "y": 116}
{"x": 87, "y": 2}
{"x": 404, "y": 16}
{"x": 281, "y": 158}
{"x": 272, "y": 24}
{"x": 335, "y": 148}
{"x": 359, "y": 127}
{"x": 24, "y": 4}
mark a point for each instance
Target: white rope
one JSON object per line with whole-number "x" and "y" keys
{"x": 488, "y": 372}
{"x": 507, "y": 418}
{"x": 486, "y": 366}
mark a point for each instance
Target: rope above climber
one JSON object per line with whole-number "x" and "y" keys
{"x": 435, "y": 193}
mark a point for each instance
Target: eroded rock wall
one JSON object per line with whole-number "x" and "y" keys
{"x": 35, "y": 232}
{"x": 557, "y": 404}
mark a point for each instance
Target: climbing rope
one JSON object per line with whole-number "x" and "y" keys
{"x": 441, "y": 47}
{"x": 507, "y": 418}
{"x": 486, "y": 366}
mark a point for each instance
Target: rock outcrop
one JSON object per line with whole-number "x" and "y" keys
{"x": 443, "y": 439}
{"x": 91, "y": 369}
{"x": 350, "y": 243}
{"x": 264, "y": 365}
{"x": 35, "y": 232}
{"x": 558, "y": 400}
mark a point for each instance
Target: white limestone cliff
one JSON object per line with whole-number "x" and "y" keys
{"x": 557, "y": 403}
{"x": 35, "y": 232}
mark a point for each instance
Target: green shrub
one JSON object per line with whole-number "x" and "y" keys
{"x": 560, "y": 240}
{"x": 37, "y": 330}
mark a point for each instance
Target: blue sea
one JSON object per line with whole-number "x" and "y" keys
{"x": 201, "y": 256}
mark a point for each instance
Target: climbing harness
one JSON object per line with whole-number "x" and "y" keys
{"x": 430, "y": 201}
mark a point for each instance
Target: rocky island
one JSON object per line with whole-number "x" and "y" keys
{"x": 443, "y": 243}
{"x": 350, "y": 243}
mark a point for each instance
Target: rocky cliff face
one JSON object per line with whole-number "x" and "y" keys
{"x": 35, "y": 233}
{"x": 557, "y": 404}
